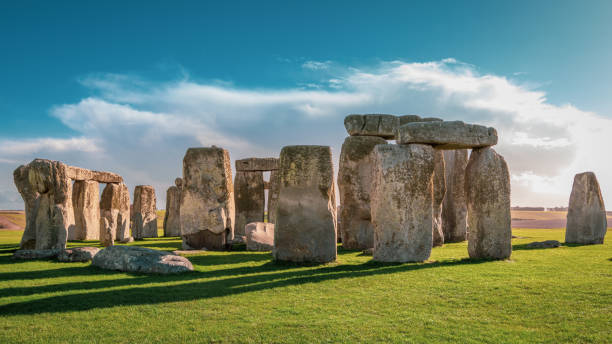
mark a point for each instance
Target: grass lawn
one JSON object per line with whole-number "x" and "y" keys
{"x": 540, "y": 295}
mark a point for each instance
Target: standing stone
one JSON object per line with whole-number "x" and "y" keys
{"x": 144, "y": 215}
{"x": 172, "y": 219}
{"x": 402, "y": 202}
{"x": 259, "y": 236}
{"x": 114, "y": 213}
{"x": 439, "y": 190}
{"x": 124, "y": 215}
{"x": 355, "y": 186}
{"x": 86, "y": 204}
{"x": 47, "y": 192}
{"x": 487, "y": 189}
{"x": 586, "y": 215}
{"x": 207, "y": 199}
{"x": 305, "y": 228}
{"x": 454, "y": 207}
{"x": 249, "y": 199}
{"x": 273, "y": 195}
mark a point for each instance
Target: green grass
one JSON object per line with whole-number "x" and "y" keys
{"x": 540, "y": 295}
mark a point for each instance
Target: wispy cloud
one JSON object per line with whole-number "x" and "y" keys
{"x": 316, "y": 65}
{"x": 46, "y": 145}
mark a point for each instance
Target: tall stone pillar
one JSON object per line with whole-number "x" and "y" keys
{"x": 172, "y": 219}
{"x": 86, "y": 204}
{"x": 144, "y": 213}
{"x": 439, "y": 191}
{"x": 586, "y": 215}
{"x": 250, "y": 199}
{"x": 454, "y": 208}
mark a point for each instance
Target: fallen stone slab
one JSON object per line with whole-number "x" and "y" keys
{"x": 259, "y": 236}
{"x": 586, "y": 214}
{"x": 447, "y": 134}
{"x": 544, "y": 244}
{"x": 77, "y": 254}
{"x": 257, "y": 164}
{"x": 380, "y": 125}
{"x": 141, "y": 260}
{"x": 35, "y": 254}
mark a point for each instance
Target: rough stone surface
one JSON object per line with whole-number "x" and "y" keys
{"x": 355, "y": 185}
{"x": 415, "y": 118}
{"x": 384, "y": 126}
{"x": 141, "y": 260}
{"x": 47, "y": 194}
{"x": 544, "y": 244}
{"x": 35, "y": 254}
{"x": 401, "y": 204}
{"x": 86, "y": 205}
{"x": 259, "y": 236}
{"x": 447, "y": 134}
{"x": 257, "y": 164}
{"x": 273, "y": 196}
{"x": 249, "y": 199}
{"x": 113, "y": 213}
{"x": 454, "y": 207}
{"x": 439, "y": 190}
{"x": 487, "y": 189}
{"x": 207, "y": 199}
{"x": 77, "y": 173}
{"x": 172, "y": 219}
{"x": 305, "y": 228}
{"x": 144, "y": 213}
{"x": 586, "y": 214}
{"x": 124, "y": 215}
{"x": 77, "y": 254}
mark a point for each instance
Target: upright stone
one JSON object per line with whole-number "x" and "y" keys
{"x": 249, "y": 199}
{"x": 586, "y": 215}
{"x": 109, "y": 213}
{"x": 172, "y": 219}
{"x": 144, "y": 214}
{"x": 86, "y": 204}
{"x": 487, "y": 188}
{"x": 355, "y": 186}
{"x": 273, "y": 196}
{"x": 207, "y": 200}
{"x": 305, "y": 228}
{"x": 439, "y": 190}
{"x": 401, "y": 204}
{"x": 124, "y": 216}
{"x": 454, "y": 207}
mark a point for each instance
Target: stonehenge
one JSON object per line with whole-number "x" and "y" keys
{"x": 454, "y": 207}
{"x": 447, "y": 134}
{"x": 259, "y": 236}
{"x": 439, "y": 191}
{"x": 144, "y": 213}
{"x": 86, "y": 205}
{"x": 305, "y": 228}
{"x": 172, "y": 218}
{"x": 114, "y": 214}
{"x": 586, "y": 214}
{"x": 207, "y": 199}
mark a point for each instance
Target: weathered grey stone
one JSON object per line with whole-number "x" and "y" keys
{"x": 47, "y": 193}
{"x": 447, "y": 134}
{"x": 415, "y": 118}
{"x": 113, "y": 213}
{"x": 77, "y": 173}
{"x": 544, "y": 244}
{"x": 179, "y": 183}
{"x": 249, "y": 199}
{"x": 141, "y": 260}
{"x": 77, "y": 254}
{"x": 273, "y": 195}
{"x": 86, "y": 205}
{"x": 384, "y": 126}
{"x": 305, "y": 228}
{"x": 355, "y": 186}
{"x": 439, "y": 190}
{"x": 586, "y": 214}
{"x": 402, "y": 201}
{"x": 35, "y": 254}
{"x": 172, "y": 219}
{"x": 207, "y": 199}
{"x": 144, "y": 213}
{"x": 259, "y": 236}
{"x": 257, "y": 164}
{"x": 124, "y": 215}
{"x": 454, "y": 207}
{"x": 487, "y": 189}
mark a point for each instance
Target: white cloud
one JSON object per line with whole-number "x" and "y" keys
{"x": 141, "y": 129}
{"x": 48, "y": 145}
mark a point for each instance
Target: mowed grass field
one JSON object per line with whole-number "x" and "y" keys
{"x": 561, "y": 295}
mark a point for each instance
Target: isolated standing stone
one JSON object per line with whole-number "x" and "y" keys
{"x": 207, "y": 199}
{"x": 439, "y": 190}
{"x": 447, "y": 134}
{"x": 402, "y": 202}
{"x": 454, "y": 207}
{"x": 172, "y": 219}
{"x": 586, "y": 215}
{"x": 355, "y": 185}
{"x": 487, "y": 188}
{"x": 140, "y": 260}
{"x": 259, "y": 236}
{"x": 305, "y": 228}
{"x": 86, "y": 204}
{"x": 144, "y": 214}
{"x": 273, "y": 195}
{"x": 384, "y": 126}
{"x": 249, "y": 199}
{"x": 124, "y": 215}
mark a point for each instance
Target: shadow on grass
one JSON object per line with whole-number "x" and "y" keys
{"x": 198, "y": 285}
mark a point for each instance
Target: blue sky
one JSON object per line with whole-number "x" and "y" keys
{"x": 69, "y": 68}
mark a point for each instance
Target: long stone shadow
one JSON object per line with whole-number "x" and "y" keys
{"x": 267, "y": 276}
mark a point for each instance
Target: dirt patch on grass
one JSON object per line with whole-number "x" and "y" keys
{"x": 8, "y": 225}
